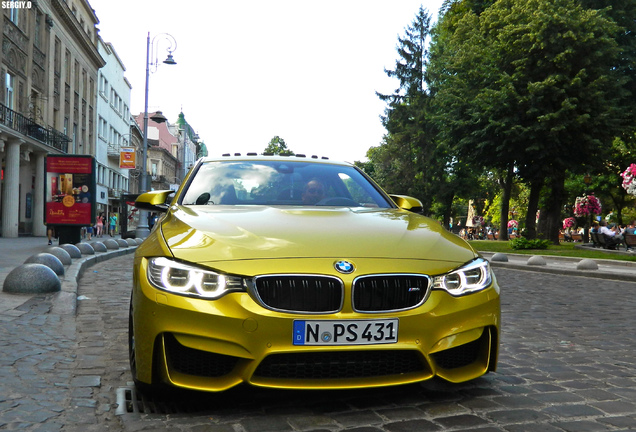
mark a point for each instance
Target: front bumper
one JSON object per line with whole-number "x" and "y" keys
{"x": 215, "y": 345}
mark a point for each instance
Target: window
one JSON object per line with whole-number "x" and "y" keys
{"x": 14, "y": 15}
{"x": 37, "y": 37}
{"x": 9, "y": 90}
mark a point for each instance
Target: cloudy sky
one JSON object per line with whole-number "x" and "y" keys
{"x": 248, "y": 70}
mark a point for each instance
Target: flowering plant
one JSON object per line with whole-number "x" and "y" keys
{"x": 587, "y": 205}
{"x": 478, "y": 220}
{"x": 569, "y": 223}
{"x": 513, "y": 223}
{"x": 629, "y": 179}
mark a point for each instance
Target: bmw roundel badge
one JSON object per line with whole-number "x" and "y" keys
{"x": 344, "y": 267}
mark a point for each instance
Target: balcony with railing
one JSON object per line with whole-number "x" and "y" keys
{"x": 26, "y": 126}
{"x": 113, "y": 150}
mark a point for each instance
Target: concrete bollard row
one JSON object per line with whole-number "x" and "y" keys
{"x": 538, "y": 260}
{"x": 41, "y": 272}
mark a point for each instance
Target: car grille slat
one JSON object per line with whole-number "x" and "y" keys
{"x": 379, "y": 293}
{"x": 340, "y": 364}
{"x": 311, "y": 294}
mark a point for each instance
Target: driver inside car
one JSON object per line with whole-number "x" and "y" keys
{"x": 314, "y": 192}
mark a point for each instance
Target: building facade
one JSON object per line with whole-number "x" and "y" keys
{"x": 113, "y": 132}
{"x": 191, "y": 148}
{"x": 163, "y": 149}
{"x": 49, "y": 69}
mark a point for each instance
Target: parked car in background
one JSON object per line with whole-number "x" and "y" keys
{"x": 301, "y": 273}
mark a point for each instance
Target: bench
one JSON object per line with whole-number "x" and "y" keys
{"x": 595, "y": 240}
{"x": 604, "y": 241}
{"x": 630, "y": 241}
{"x": 576, "y": 237}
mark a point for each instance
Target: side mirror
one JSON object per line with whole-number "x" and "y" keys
{"x": 407, "y": 203}
{"x": 154, "y": 200}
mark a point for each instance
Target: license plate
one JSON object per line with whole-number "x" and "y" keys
{"x": 348, "y": 332}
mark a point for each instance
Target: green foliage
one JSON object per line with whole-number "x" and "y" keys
{"x": 524, "y": 243}
{"x": 530, "y": 84}
{"x": 531, "y": 93}
{"x": 408, "y": 160}
{"x": 277, "y": 146}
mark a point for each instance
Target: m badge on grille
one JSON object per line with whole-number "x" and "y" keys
{"x": 344, "y": 267}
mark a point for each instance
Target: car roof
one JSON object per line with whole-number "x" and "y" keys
{"x": 272, "y": 157}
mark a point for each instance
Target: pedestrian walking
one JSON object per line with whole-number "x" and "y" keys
{"x": 99, "y": 225}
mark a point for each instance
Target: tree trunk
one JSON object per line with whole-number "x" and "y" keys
{"x": 533, "y": 206}
{"x": 550, "y": 229}
{"x": 505, "y": 203}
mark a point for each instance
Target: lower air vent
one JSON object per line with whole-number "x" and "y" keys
{"x": 460, "y": 356}
{"x": 196, "y": 362}
{"x": 340, "y": 365}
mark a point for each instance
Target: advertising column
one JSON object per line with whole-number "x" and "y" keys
{"x": 70, "y": 195}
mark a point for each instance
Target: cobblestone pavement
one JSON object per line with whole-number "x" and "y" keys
{"x": 567, "y": 363}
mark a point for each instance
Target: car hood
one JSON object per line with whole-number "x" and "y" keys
{"x": 205, "y": 234}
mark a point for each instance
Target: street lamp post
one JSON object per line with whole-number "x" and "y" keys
{"x": 142, "y": 230}
{"x": 185, "y": 143}
{"x": 588, "y": 223}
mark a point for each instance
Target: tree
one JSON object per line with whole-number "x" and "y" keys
{"x": 408, "y": 159}
{"x": 277, "y": 146}
{"x": 529, "y": 88}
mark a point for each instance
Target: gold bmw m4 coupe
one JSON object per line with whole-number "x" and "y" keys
{"x": 301, "y": 273}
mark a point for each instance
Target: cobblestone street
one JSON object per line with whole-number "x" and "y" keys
{"x": 566, "y": 364}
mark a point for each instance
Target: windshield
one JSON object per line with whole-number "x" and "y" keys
{"x": 281, "y": 183}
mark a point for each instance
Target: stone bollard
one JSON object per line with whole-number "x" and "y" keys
{"x": 122, "y": 243}
{"x": 99, "y": 246}
{"x": 49, "y": 260}
{"x": 63, "y": 256}
{"x": 587, "y": 264}
{"x": 499, "y": 257}
{"x": 72, "y": 250}
{"x": 85, "y": 248}
{"x": 111, "y": 244}
{"x": 31, "y": 278}
{"x": 537, "y": 260}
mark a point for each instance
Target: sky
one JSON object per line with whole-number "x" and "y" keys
{"x": 250, "y": 70}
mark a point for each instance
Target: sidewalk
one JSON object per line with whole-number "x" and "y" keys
{"x": 607, "y": 268}
{"x": 13, "y": 253}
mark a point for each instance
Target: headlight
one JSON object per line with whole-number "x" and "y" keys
{"x": 474, "y": 276}
{"x": 179, "y": 278}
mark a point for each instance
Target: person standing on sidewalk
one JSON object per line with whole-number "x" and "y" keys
{"x": 112, "y": 222}
{"x": 99, "y": 225}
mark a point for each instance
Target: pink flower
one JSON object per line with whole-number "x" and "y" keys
{"x": 587, "y": 205}
{"x": 569, "y": 223}
{"x": 629, "y": 179}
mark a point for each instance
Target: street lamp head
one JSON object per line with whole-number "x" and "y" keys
{"x": 158, "y": 117}
{"x": 169, "y": 60}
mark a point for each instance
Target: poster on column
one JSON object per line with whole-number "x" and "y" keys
{"x": 69, "y": 190}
